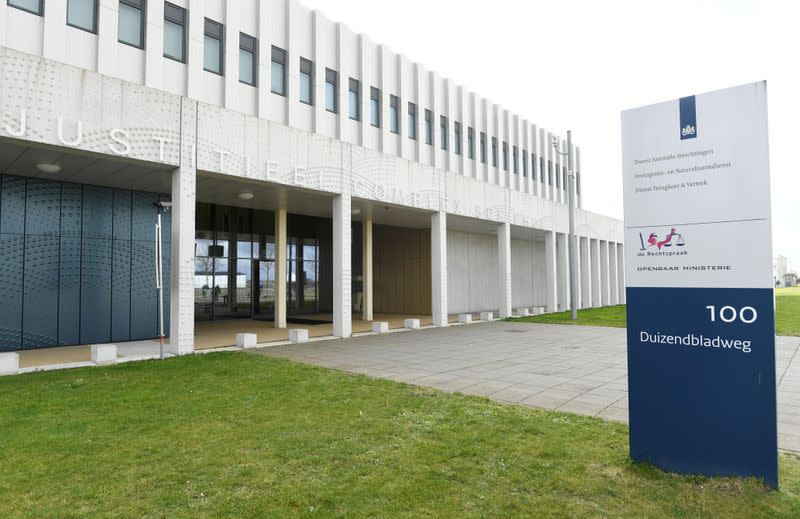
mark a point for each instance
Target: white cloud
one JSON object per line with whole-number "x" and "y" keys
{"x": 577, "y": 63}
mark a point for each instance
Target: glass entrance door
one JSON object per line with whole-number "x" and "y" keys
{"x": 264, "y": 288}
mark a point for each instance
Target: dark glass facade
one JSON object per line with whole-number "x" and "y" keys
{"x": 77, "y": 264}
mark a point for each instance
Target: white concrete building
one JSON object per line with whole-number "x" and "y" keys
{"x": 780, "y": 267}
{"x": 311, "y": 172}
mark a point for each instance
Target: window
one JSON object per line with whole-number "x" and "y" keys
{"x": 541, "y": 169}
{"x": 443, "y": 127}
{"x": 578, "y": 184}
{"x": 394, "y": 115}
{"x": 375, "y": 107}
{"x": 174, "y": 32}
{"x": 354, "y": 95}
{"x": 505, "y": 155}
{"x": 306, "y": 81}
{"x": 248, "y": 64}
{"x": 483, "y": 148}
{"x": 130, "y": 26}
{"x": 412, "y": 121}
{"x": 212, "y": 47}
{"x": 331, "y": 90}
{"x": 524, "y": 158}
{"x": 428, "y": 127}
{"x": 564, "y": 177}
{"x": 278, "y": 71}
{"x": 558, "y": 178}
{"x": 32, "y": 6}
{"x": 471, "y": 143}
{"x": 82, "y": 14}
{"x": 549, "y": 172}
{"x": 494, "y": 152}
{"x": 457, "y": 137}
{"x": 515, "y": 160}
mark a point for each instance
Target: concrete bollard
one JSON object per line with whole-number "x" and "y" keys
{"x": 104, "y": 353}
{"x": 9, "y": 363}
{"x": 298, "y": 335}
{"x": 465, "y": 318}
{"x": 487, "y": 316}
{"x": 523, "y": 312}
{"x": 246, "y": 340}
{"x": 380, "y": 326}
{"x": 411, "y": 324}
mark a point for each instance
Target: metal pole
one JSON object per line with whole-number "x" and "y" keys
{"x": 573, "y": 275}
{"x": 159, "y": 288}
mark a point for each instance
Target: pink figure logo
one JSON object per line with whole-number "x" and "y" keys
{"x": 653, "y": 241}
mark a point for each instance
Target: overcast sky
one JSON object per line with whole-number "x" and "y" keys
{"x": 575, "y": 64}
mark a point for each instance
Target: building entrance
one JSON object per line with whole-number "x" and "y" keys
{"x": 235, "y": 264}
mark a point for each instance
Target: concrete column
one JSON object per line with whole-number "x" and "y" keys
{"x": 342, "y": 285}
{"x": 612, "y": 274}
{"x": 182, "y": 235}
{"x": 586, "y": 273}
{"x": 280, "y": 268}
{"x": 562, "y": 269}
{"x": 439, "y": 268}
{"x": 181, "y": 282}
{"x": 366, "y": 261}
{"x": 620, "y": 274}
{"x": 504, "y": 270}
{"x": 551, "y": 271}
{"x": 578, "y": 277}
{"x": 605, "y": 274}
{"x": 154, "y": 44}
{"x": 596, "y": 294}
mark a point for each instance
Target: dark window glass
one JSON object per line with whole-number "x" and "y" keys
{"x": 533, "y": 167}
{"x": 494, "y": 152}
{"x": 394, "y": 114}
{"x": 428, "y": 127}
{"x": 549, "y": 172}
{"x": 82, "y": 14}
{"x": 174, "y": 32}
{"x": 354, "y": 96}
{"x": 524, "y": 158}
{"x": 471, "y": 143}
{"x": 443, "y": 132}
{"x": 412, "y": 121}
{"x": 212, "y": 47}
{"x": 515, "y": 160}
{"x": 457, "y": 137}
{"x": 578, "y": 183}
{"x": 306, "y": 81}
{"x": 278, "y": 79}
{"x": 541, "y": 169}
{"x": 483, "y": 147}
{"x": 505, "y": 156}
{"x": 32, "y": 6}
{"x": 331, "y": 90}
{"x": 130, "y": 24}
{"x": 375, "y": 107}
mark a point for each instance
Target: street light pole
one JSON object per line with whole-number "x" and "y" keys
{"x": 573, "y": 260}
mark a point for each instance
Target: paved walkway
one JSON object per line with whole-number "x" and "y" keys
{"x": 581, "y": 369}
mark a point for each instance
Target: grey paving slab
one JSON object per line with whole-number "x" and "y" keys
{"x": 580, "y": 369}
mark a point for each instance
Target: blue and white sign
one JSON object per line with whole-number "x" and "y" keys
{"x": 700, "y": 301}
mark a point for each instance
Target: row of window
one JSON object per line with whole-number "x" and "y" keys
{"x": 82, "y": 14}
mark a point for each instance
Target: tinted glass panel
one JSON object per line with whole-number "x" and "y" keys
{"x": 173, "y": 40}
{"x": 34, "y": 6}
{"x": 212, "y": 49}
{"x": 81, "y": 13}
{"x": 246, "y": 67}
{"x": 130, "y": 25}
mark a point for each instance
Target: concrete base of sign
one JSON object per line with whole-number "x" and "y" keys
{"x": 411, "y": 324}
{"x": 523, "y": 312}
{"x": 246, "y": 340}
{"x": 9, "y": 362}
{"x": 380, "y": 326}
{"x": 465, "y": 318}
{"x": 487, "y": 316}
{"x": 298, "y": 335}
{"x": 104, "y": 353}
{"x": 538, "y": 310}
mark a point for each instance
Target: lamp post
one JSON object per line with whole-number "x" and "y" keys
{"x": 573, "y": 275}
{"x": 161, "y": 206}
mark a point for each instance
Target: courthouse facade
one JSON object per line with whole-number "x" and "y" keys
{"x": 300, "y": 169}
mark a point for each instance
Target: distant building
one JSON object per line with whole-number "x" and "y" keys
{"x": 779, "y": 270}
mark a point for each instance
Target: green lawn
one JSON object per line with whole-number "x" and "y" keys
{"x": 239, "y": 435}
{"x": 787, "y": 311}
{"x": 787, "y": 314}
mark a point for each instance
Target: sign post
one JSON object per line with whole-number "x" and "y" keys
{"x": 700, "y": 294}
